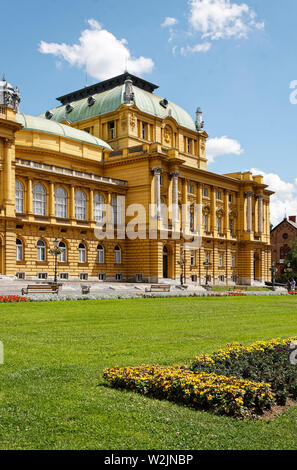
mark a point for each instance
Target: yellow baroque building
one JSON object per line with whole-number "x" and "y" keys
{"x": 115, "y": 141}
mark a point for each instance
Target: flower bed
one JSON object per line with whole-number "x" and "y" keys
{"x": 267, "y": 361}
{"x": 237, "y": 294}
{"x": 222, "y": 395}
{"x": 13, "y": 299}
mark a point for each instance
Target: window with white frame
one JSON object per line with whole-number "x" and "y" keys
{"x": 205, "y": 222}
{"x": 221, "y": 259}
{"x": 64, "y": 275}
{"x": 118, "y": 277}
{"x": 82, "y": 253}
{"x": 117, "y": 255}
{"x": 193, "y": 260}
{"x": 190, "y": 189}
{"x": 233, "y": 261}
{"x": 101, "y": 276}
{"x": 218, "y": 195}
{"x": 41, "y": 252}
{"x": 19, "y": 250}
{"x": 39, "y": 199}
{"x": 19, "y": 197}
{"x": 42, "y": 275}
{"x": 63, "y": 254}
{"x": 80, "y": 205}
{"x": 204, "y": 192}
{"x": 98, "y": 207}
{"x": 222, "y": 278}
{"x": 83, "y": 276}
{"x": 219, "y": 224}
{"x": 60, "y": 202}
{"x": 115, "y": 210}
{"x": 100, "y": 254}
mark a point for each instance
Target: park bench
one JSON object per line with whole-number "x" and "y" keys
{"x": 85, "y": 289}
{"x": 158, "y": 288}
{"x": 41, "y": 289}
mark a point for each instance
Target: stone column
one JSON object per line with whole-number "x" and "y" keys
{"x": 30, "y": 197}
{"x": 157, "y": 190}
{"x": 52, "y": 200}
{"x": 72, "y": 203}
{"x": 91, "y": 205}
{"x": 249, "y": 217}
{"x": 260, "y": 213}
{"x": 174, "y": 176}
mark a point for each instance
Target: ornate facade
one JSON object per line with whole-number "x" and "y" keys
{"x": 118, "y": 141}
{"x": 282, "y": 237}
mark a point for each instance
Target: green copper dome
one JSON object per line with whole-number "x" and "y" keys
{"x": 40, "y": 124}
{"x": 77, "y": 109}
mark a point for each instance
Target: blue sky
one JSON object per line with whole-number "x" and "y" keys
{"x": 234, "y": 59}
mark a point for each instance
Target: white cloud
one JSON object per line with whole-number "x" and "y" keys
{"x": 222, "y": 19}
{"x": 100, "y": 52}
{"x": 284, "y": 201}
{"x": 204, "y": 47}
{"x": 219, "y": 146}
{"x": 169, "y": 22}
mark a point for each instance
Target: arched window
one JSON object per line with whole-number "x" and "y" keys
{"x": 41, "y": 255}
{"x": 117, "y": 255}
{"x": 98, "y": 207}
{"x": 100, "y": 254}
{"x": 82, "y": 253}
{"x": 39, "y": 199}
{"x": 60, "y": 203}
{"x": 19, "y": 250}
{"x": 63, "y": 254}
{"x": 19, "y": 197}
{"x": 80, "y": 205}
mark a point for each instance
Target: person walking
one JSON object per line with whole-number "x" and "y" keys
{"x": 293, "y": 285}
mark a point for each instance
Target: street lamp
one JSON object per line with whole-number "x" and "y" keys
{"x": 207, "y": 265}
{"x": 273, "y": 270}
{"x": 182, "y": 264}
{"x": 55, "y": 252}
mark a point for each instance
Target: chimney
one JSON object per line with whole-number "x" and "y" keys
{"x": 292, "y": 218}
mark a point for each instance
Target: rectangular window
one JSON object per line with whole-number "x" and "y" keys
{"x": 20, "y": 275}
{"x": 42, "y": 275}
{"x": 83, "y": 276}
{"x": 101, "y": 276}
{"x": 144, "y": 130}
{"x": 219, "y": 224}
{"x": 222, "y": 278}
{"x": 231, "y": 226}
{"x": 191, "y": 189}
{"x": 116, "y": 210}
{"x": 220, "y": 260}
{"x": 118, "y": 277}
{"x": 193, "y": 260}
{"x": 219, "y": 195}
{"x": 205, "y": 222}
{"x": 204, "y": 192}
{"x": 207, "y": 257}
{"x": 234, "y": 278}
{"x": 194, "y": 277}
{"x": 230, "y": 197}
{"x": 64, "y": 275}
{"x": 111, "y": 128}
{"x": 189, "y": 146}
{"x": 233, "y": 261}
{"x": 138, "y": 277}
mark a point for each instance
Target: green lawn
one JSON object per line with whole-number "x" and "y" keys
{"x": 53, "y": 397}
